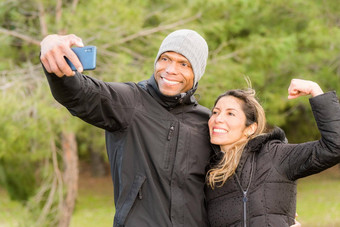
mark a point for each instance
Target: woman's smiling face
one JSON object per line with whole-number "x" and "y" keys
{"x": 228, "y": 122}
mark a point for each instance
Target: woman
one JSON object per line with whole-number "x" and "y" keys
{"x": 255, "y": 172}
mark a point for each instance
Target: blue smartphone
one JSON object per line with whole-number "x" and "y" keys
{"x": 87, "y": 57}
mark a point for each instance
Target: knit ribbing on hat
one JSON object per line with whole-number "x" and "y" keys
{"x": 189, "y": 44}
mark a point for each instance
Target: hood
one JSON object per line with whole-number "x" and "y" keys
{"x": 168, "y": 102}
{"x": 256, "y": 144}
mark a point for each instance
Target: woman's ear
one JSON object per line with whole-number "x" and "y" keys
{"x": 251, "y": 129}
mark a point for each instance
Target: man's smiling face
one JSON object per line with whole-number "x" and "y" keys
{"x": 173, "y": 74}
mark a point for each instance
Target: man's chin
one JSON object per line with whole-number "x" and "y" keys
{"x": 168, "y": 92}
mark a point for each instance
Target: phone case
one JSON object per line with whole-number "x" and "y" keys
{"x": 87, "y": 57}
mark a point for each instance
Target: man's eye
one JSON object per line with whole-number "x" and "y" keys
{"x": 186, "y": 64}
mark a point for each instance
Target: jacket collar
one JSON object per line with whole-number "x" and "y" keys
{"x": 168, "y": 102}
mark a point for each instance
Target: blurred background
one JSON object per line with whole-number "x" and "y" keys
{"x": 53, "y": 167}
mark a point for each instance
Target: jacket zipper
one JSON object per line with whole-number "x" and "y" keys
{"x": 168, "y": 152}
{"x": 140, "y": 196}
{"x": 171, "y": 132}
{"x": 245, "y": 192}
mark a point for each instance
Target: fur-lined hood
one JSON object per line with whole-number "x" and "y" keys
{"x": 256, "y": 144}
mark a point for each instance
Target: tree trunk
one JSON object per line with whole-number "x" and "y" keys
{"x": 70, "y": 176}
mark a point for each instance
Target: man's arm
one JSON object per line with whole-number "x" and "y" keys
{"x": 106, "y": 105}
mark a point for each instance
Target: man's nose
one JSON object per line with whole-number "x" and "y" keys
{"x": 171, "y": 68}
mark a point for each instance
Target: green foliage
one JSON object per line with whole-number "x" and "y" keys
{"x": 19, "y": 184}
{"x": 90, "y": 138}
{"x": 24, "y": 137}
{"x": 20, "y": 16}
{"x": 270, "y": 42}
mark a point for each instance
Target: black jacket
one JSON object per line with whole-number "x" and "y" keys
{"x": 158, "y": 147}
{"x": 271, "y": 197}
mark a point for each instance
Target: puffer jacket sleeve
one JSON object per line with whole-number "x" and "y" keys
{"x": 106, "y": 105}
{"x": 301, "y": 160}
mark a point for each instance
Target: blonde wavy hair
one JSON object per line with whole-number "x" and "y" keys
{"x": 254, "y": 112}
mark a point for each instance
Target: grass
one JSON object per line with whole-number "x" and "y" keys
{"x": 95, "y": 205}
{"x": 93, "y": 211}
{"x": 318, "y": 202}
{"x": 11, "y": 212}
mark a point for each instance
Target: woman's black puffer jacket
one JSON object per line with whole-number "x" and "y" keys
{"x": 263, "y": 191}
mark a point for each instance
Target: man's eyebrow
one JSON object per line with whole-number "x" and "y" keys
{"x": 184, "y": 60}
{"x": 164, "y": 54}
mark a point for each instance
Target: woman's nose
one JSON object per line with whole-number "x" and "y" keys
{"x": 219, "y": 118}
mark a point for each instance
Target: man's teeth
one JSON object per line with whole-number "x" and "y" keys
{"x": 170, "y": 82}
{"x": 220, "y": 130}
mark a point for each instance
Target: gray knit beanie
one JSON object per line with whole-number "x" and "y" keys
{"x": 189, "y": 44}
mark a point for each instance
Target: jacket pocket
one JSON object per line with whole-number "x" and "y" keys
{"x": 135, "y": 191}
{"x": 169, "y": 146}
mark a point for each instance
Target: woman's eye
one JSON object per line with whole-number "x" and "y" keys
{"x": 231, "y": 114}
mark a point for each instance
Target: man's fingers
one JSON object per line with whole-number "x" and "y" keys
{"x": 75, "y": 40}
{"x": 44, "y": 61}
{"x": 74, "y": 59}
{"x": 55, "y": 69}
{"x": 50, "y": 64}
{"x": 58, "y": 63}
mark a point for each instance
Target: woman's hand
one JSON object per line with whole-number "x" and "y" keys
{"x": 297, "y": 224}
{"x": 299, "y": 88}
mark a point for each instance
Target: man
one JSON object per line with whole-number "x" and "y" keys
{"x": 156, "y": 133}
